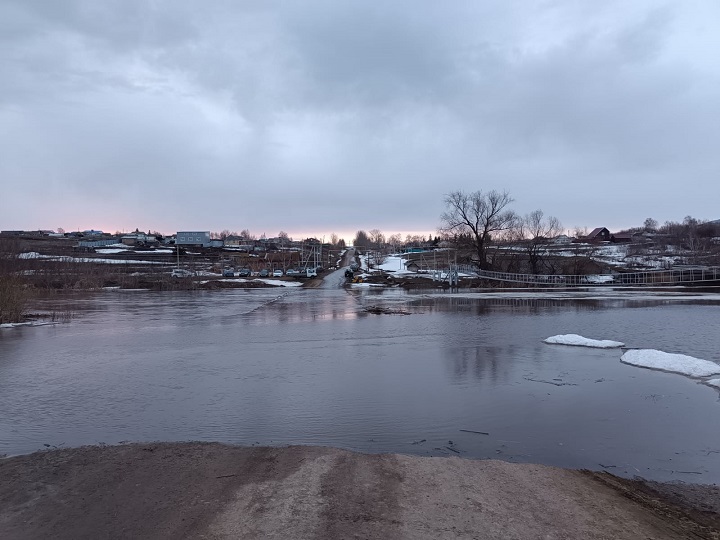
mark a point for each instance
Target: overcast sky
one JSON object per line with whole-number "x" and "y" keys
{"x": 315, "y": 117}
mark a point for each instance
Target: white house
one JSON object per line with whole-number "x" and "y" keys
{"x": 193, "y": 238}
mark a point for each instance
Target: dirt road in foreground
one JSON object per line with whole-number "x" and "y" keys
{"x": 213, "y": 491}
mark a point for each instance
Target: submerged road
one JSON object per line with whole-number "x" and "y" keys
{"x": 214, "y": 491}
{"x": 336, "y": 279}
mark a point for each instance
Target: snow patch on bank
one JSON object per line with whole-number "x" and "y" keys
{"x": 393, "y": 263}
{"x": 280, "y": 282}
{"x": 580, "y": 341}
{"x": 275, "y": 282}
{"x": 62, "y": 258}
{"x": 673, "y": 363}
{"x": 33, "y": 255}
{"x": 26, "y": 323}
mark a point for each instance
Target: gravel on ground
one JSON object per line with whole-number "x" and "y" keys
{"x": 216, "y": 491}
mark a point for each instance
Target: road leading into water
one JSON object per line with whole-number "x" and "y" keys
{"x": 336, "y": 279}
{"x": 214, "y": 491}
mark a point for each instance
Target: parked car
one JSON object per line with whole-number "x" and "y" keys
{"x": 264, "y": 273}
{"x": 292, "y": 272}
{"x": 228, "y": 272}
{"x": 277, "y": 273}
{"x": 181, "y": 273}
{"x": 244, "y": 272}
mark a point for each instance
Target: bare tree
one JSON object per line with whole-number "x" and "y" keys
{"x": 480, "y": 216}
{"x": 395, "y": 240}
{"x": 650, "y": 225}
{"x": 377, "y": 238}
{"x": 334, "y": 239}
{"x": 535, "y": 231}
{"x": 361, "y": 241}
{"x": 14, "y": 293}
{"x": 222, "y": 235}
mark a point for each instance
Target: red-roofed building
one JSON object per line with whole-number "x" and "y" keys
{"x": 601, "y": 234}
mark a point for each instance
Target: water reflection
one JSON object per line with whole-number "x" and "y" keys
{"x": 479, "y": 364}
{"x": 538, "y": 306}
{"x": 311, "y": 366}
{"x": 297, "y": 306}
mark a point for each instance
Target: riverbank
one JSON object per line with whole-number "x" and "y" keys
{"x": 212, "y": 491}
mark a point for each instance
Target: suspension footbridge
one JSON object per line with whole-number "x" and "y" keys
{"x": 669, "y": 277}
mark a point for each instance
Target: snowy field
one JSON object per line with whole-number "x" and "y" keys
{"x": 35, "y": 255}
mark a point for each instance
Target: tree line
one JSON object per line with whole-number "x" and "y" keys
{"x": 375, "y": 239}
{"x": 479, "y": 223}
{"x": 475, "y": 220}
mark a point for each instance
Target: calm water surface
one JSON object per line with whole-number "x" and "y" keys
{"x": 311, "y": 367}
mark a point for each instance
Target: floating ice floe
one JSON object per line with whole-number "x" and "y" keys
{"x": 674, "y": 363}
{"x": 713, "y": 382}
{"x": 580, "y": 341}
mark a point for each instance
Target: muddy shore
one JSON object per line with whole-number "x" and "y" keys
{"x": 213, "y": 491}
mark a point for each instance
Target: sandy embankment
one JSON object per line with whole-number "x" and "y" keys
{"x": 196, "y": 490}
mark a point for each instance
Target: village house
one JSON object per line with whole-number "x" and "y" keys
{"x": 139, "y": 239}
{"x": 234, "y": 241}
{"x": 561, "y": 239}
{"x": 193, "y": 239}
{"x": 621, "y": 238}
{"x": 600, "y": 234}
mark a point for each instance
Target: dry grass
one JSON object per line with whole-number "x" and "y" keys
{"x": 13, "y": 299}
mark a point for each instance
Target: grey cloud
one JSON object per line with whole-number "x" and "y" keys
{"x": 338, "y": 111}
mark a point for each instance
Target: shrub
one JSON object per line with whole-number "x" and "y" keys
{"x": 13, "y": 299}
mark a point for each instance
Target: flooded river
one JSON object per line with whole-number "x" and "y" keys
{"x": 459, "y": 374}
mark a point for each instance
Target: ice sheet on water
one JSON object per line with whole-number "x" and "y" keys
{"x": 713, "y": 382}
{"x": 674, "y": 363}
{"x": 580, "y": 341}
